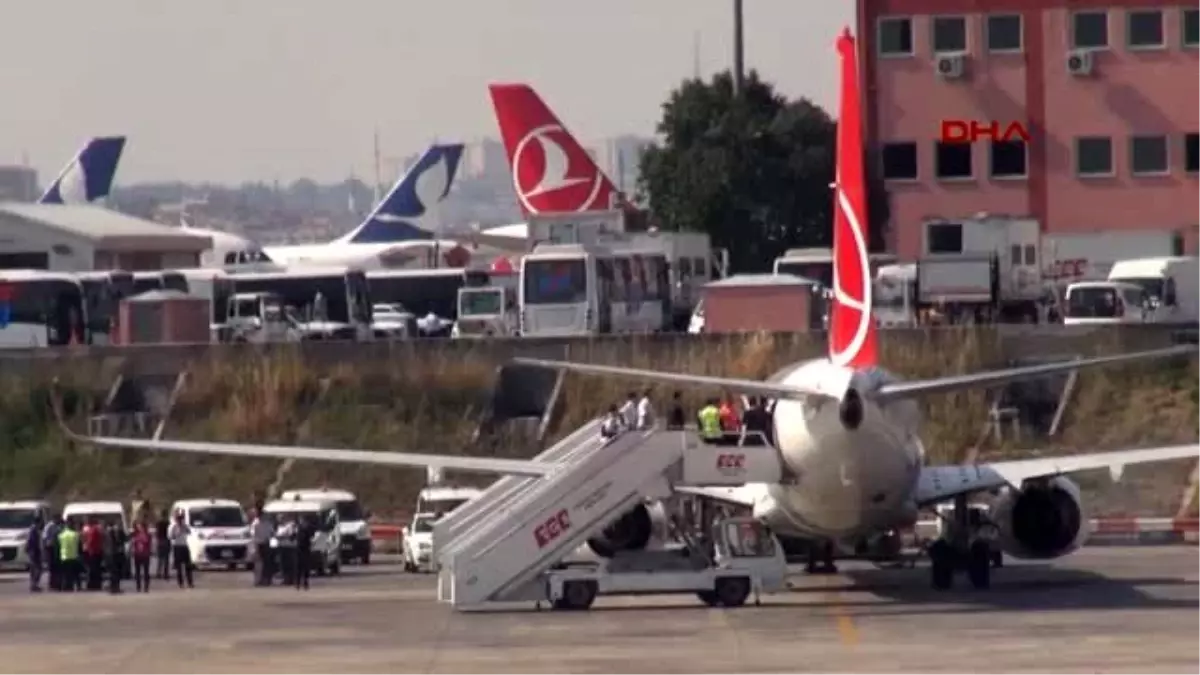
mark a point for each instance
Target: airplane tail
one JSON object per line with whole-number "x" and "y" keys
{"x": 89, "y": 175}
{"x": 551, "y": 170}
{"x": 407, "y": 211}
{"x": 851, "y": 324}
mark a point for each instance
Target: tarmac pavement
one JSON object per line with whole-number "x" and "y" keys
{"x": 1107, "y": 609}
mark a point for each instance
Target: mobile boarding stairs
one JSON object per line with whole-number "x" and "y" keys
{"x": 494, "y": 551}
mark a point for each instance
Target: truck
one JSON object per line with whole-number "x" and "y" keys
{"x": 1141, "y": 290}
{"x": 761, "y": 302}
{"x": 259, "y": 318}
{"x": 745, "y": 559}
{"x": 487, "y": 306}
{"x": 964, "y": 287}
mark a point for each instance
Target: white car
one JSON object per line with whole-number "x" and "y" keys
{"x": 352, "y": 520}
{"x": 391, "y": 320}
{"x": 418, "y": 543}
{"x": 15, "y": 520}
{"x": 326, "y": 544}
{"x": 220, "y": 533}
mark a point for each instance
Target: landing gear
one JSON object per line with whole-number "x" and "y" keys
{"x": 820, "y": 558}
{"x": 966, "y": 545}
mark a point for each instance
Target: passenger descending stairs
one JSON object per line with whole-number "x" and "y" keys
{"x": 494, "y": 549}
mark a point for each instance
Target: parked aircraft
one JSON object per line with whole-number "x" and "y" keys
{"x": 88, "y": 177}
{"x": 847, "y": 430}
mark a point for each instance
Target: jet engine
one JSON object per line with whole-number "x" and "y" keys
{"x": 635, "y": 530}
{"x": 1042, "y": 520}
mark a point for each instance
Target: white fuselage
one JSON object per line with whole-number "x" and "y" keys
{"x": 841, "y": 483}
{"x": 363, "y": 256}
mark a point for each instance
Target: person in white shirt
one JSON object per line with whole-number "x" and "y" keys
{"x": 645, "y": 411}
{"x": 629, "y": 411}
{"x": 285, "y": 545}
{"x": 261, "y": 530}
{"x": 178, "y": 534}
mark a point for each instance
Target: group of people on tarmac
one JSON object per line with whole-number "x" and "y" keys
{"x": 292, "y": 555}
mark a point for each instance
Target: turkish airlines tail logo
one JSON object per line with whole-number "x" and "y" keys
{"x": 551, "y": 171}
{"x": 851, "y": 324}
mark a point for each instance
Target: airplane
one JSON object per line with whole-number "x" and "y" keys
{"x": 551, "y": 171}
{"x": 396, "y": 232}
{"x": 88, "y": 177}
{"x": 846, "y": 429}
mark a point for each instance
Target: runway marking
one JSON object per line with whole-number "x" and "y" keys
{"x": 846, "y": 629}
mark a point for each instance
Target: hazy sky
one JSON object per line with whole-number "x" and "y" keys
{"x": 232, "y": 90}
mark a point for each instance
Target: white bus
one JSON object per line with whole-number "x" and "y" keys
{"x": 42, "y": 309}
{"x": 577, "y": 289}
{"x": 333, "y": 303}
{"x": 817, "y": 264}
{"x": 159, "y": 280}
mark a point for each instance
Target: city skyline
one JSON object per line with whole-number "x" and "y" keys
{"x": 228, "y": 92}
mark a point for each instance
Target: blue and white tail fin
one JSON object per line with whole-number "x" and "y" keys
{"x": 407, "y": 211}
{"x": 89, "y": 176}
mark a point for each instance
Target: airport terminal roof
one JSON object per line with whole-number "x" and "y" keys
{"x": 105, "y": 228}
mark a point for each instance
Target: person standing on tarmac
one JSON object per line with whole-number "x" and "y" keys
{"x": 178, "y": 534}
{"x": 68, "y": 557}
{"x": 285, "y": 544}
{"x": 306, "y": 529}
{"x": 33, "y": 550}
{"x": 261, "y": 530}
{"x": 142, "y": 544}
{"x": 163, "y": 543}
{"x": 114, "y": 550}
{"x": 50, "y": 552}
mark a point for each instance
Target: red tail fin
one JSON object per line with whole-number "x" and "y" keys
{"x": 551, "y": 171}
{"x": 851, "y": 324}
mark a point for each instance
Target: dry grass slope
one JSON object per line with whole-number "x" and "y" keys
{"x": 433, "y": 403}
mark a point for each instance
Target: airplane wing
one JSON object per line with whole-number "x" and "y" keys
{"x": 830, "y": 390}
{"x": 939, "y": 483}
{"x": 910, "y": 389}
{"x": 734, "y": 496}
{"x": 492, "y": 465}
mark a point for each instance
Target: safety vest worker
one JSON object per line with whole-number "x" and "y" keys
{"x": 710, "y": 421}
{"x": 68, "y": 544}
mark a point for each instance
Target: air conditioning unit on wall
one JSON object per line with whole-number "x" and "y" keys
{"x": 1080, "y": 62}
{"x": 950, "y": 66}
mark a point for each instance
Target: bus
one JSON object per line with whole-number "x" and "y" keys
{"x": 428, "y": 290}
{"x": 817, "y": 264}
{"x": 580, "y": 289}
{"x": 333, "y": 302}
{"x": 487, "y": 303}
{"x": 103, "y": 291}
{"x": 42, "y": 309}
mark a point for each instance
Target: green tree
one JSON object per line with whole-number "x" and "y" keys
{"x": 753, "y": 171}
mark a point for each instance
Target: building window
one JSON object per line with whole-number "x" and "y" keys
{"x": 1089, "y": 30}
{"x": 1144, "y": 29}
{"x": 1008, "y": 159}
{"x": 949, "y": 34}
{"x": 1093, "y": 156}
{"x": 1191, "y": 27}
{"x": 895, "y": 36}
{"x": 1004, "y": 33}
{"x": 953, "y": 161}
{"x": 900, "y": 161}
{"x": 1191, "y": 153}
{"x": 1148, "y": 156}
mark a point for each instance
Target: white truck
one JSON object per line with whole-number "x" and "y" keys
{"x": 747, "y": 560}
{"x": 259, "y": 318}
{"x": 353, "y": 527}
{"x": 1141, "y": 290}
{"x": 15, "y": 520}
{"x": 326, "y": 543}
{"x": 220, "y": 532}
{"x": 486, "y": 311}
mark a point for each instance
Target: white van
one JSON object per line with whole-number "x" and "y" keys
{"x": 107, "y": 513}
{"x": 326, "y": 544}
{"x": 220, "y": 533}
{"x": 1172, "y": 285}
{"x": 355, "y": 531}
{"x": 1104, "y": 302}
{"x": 15, "y": 521}
{"x": 417, "y": 543}
{"x": 439, "y": 500}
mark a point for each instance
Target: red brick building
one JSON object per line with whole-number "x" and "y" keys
{"x": 1109, "y": 91}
